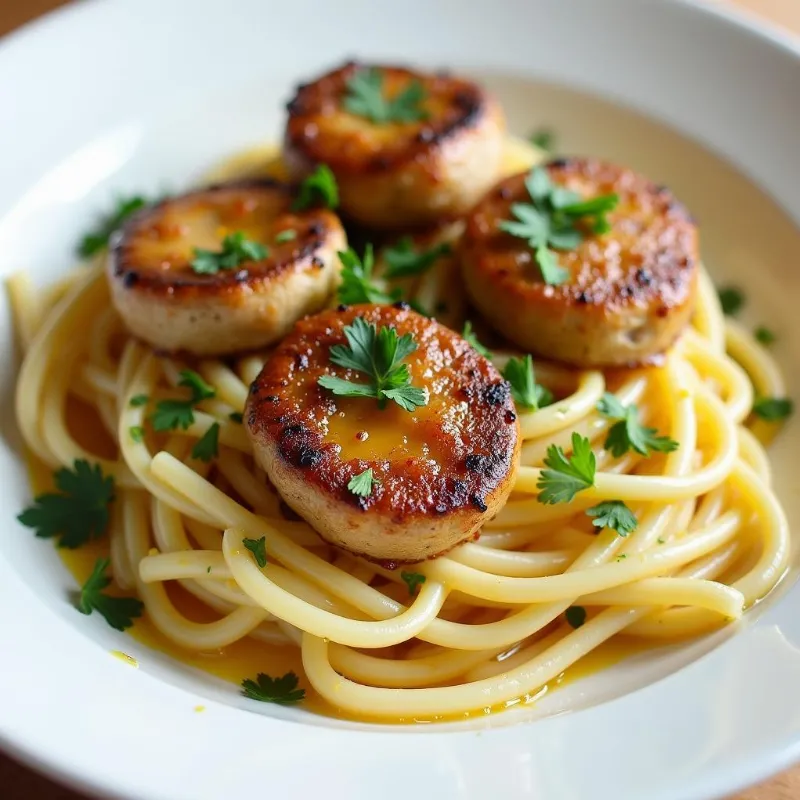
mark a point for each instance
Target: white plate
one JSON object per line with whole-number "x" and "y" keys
{"x": 137, "y": 94}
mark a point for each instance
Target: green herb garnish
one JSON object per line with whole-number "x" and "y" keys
{"x": 575, "y": 616}
{"x": 764, "y": 335}
{"x": 78, "y": 512}
{"x": 361, "y": 484}
{"x": 413, "y": 580}
{"x": 613, "y": 514}
{"x": 403, "y": 259}
{"x": 236, "y": 249}
{"x": 628, "y": 433}
{"x": 236, "y": 416}
{"x": 207, "y": 446}
{"x": 136, "y": 433}
{"x": 731, "y": 299}
{"x": 258, "y": 547}
{"x": 524, "y": 389}
{"x": 357, "y": 285}
{"x": 366, "y": 98}
{"x": 318, "y": 189}
{"x": 773, "y": 409}
{"x": 472, "y": 339}
{"x": 566, "y": 476}
{"x": 377, "y": 354}
{"x": 172, "y": 414}
{"x": 549, "y": 221}
{"x": 282, "y": 690}
{"x": 285, "y": 236}
{"x": 118, "y": 612}
{"x": 94, "y": 241}
{"x": 139, "y": 400}
{"x": 544, "y": 139}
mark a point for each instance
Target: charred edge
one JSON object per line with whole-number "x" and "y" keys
{"x": 560, "y": 163}
{"x": 401, "y": 305}
{"x": 510, "y": 416}
{"x": 129, "y": 278}
{"x": 490, "y": 466}
{"x": 497, "y": 394}
{"x": 477, "y": 501}
{"x": 342, "y": 307}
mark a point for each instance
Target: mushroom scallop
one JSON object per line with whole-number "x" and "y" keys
{"x": 223, "y": 269}
{"x": 407, "y": 148}
{"x": 622, "y": 297}
{"x": 390, "y": 484}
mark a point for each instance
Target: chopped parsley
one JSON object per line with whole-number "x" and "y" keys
{"x": 361, "y": 485}
{"x": 575, "y": 616}
{"x": 731, "y": 299}
{"x": 403, "y": 259}
{"x": 549, "y": 221}
{"x": 236, "y": 249}
{"x": 207, "y": 446}
{"x": 413, "y": 581}
{"x": 357, "y": 285}
{"x": 566, "y": 476}
{"x": 139, "y": 400}
{"x": 764, "y": 335}
{"x": 366, "y": 98}
{"x": 473, "y": 341}
{"x": 136, "y": 433}
{"x": 773, "y": 409}
{"x": 172, "y": 414}
{"x": 544, "y": 139}
{"x": 524, "y": 389}
{"x": 78, "y": 512}
{"x": 613, "y": 514}
{"x": 377, "y": 354}
{"x": 287, "y": 235}
{"x": 94, "y": 241}
{"x": 236, "y": 416}
{"x": 318, "y": 189}
{"x": 628, "y": 433}
{"x": 118, "y": 612}
{"x": 281, "y": 690}
{"x": 258, "y": 547}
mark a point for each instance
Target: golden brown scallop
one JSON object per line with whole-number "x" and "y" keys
{"x": 440, "y": 471}
{"x": 629, "y": 292}
{"x": 397, "y": 173}
{"x": 167, "y": 303}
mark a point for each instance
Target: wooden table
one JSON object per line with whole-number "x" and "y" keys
{"x": 18, "y": 782}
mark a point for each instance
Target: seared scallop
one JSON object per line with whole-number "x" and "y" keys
{"x": 626, "y": 294}
{"x": 438, "y": 471}
{"x": 223, "y": 269}
{"x": 406, "y": 147}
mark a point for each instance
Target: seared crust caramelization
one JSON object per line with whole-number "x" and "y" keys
{"x": 630, "y": 292}
{"x": 439, "y": 471}
{"x": 167, "y": 304}
{"x": 399, "y": 173}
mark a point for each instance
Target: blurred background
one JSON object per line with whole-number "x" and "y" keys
{"x": 19, "y": 783}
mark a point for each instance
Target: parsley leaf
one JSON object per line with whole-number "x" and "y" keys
{"x": 236, "y": 416}
{"x": 136, "y": 433}
{"x": 361, "y": 485}
{"x": 628, "y": 433}
{"x": 365, "y": 98}
{"x": 524, "y": 389}
{"x": 402, "y": 259}
{"x": 171, "y": 414}
{"x": 567, "y": 476}
{"x": 318, "y": 189}
{"x": 356, "y": 280}
{"x": 550, "y": 220}
{"x": 258, "y": 547}
{"x": 764, "y": 335}
{"x": 413, "y": 580}
{"x": 139, "y": 400}
{"x": 236, "y": 249}
{"x": 731, "y": 299}
{"x": 287, "y": 235}
{"x": 281, "y": 690}
{"x": 79, "y": 513}
{"x": 472, "y": 340}
{"x": 119, "y": 612}
{"x": 575, "y": 616}
{"x": 773, "y": 409}
{"x": 207, "y": 446}
{"x": 613, "y": 514}
{"x": 376, "y": 353}
{"x": 94, "y": 241}
{"x": 544, "y": 139}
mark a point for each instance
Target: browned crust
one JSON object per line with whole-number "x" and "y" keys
{"x": 481, "y": 455}
{"x": 454, "y": 105}
{"x": 652, "y": 260}
{"x": 178, "y": 282}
